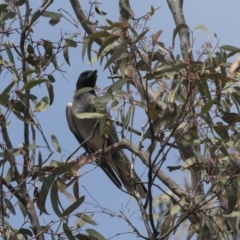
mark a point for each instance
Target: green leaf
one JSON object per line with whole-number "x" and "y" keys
{"x": 46, "y": 185}
{"x": 42, "y": 105}
{"x": 49, "y": 14}
{"x": 84, "y": 47}
{"x": 9, "y": 175}
{"x": 221, "y": 130}
{"x": 30, "y": 85}
{"x": 23, "y": 209}
{"x": 232, "y": 194}
{"x": 82, "y": 90}
{"x": 82, "y": 237}
{"x": 54, "y": 199}
{"x": 54, "y": 21}
{"x": 189, "y": 162}
{"x": 68, "y": 232}
{"x": 152, "y": 11}
{"x": 35, "y": 17}
{"x": 89, "y": 49}
{"x": 127, "y": 8}
{"x": 89, "y": 115}
{"x": 39, "y": 160}
{"x": 102, "y": 34}
{"x": 71, "y": 42}
{"x": 10, "y": 206}
{"x": 229, "y": 48}
{"x": 176, "y": 30}
{"x": 56, "y": 143}
{"x": 140, "y": 36}
{"x": 201, "y": 27}
{"x": 73, "y": 207}
{"x": 50, "y": 92}
{"x": 5, "y": 92}
{"x": 55, "y": 17}
{"x": 107, "y": 42}
{"x": 65, "y": 53}
{"x": 175, "y": 210}
{"x": 207, "y": 106}
{"x": 119, "y": 51}
{"x": 127, "y": 117}
{"x": 51, "y": 78}
{"x": 25, "y": 231}
{"x": 95, "y": 234}
{"x": 10, "y": 55}
{"x": 85, "y": 219}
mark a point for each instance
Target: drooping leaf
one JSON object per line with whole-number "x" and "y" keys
{"x": 68, "y": 232}
{"x": 232, "y": 194}
{"x": 76, "y": 190}
{"x": 10, "y": 206}
{"x": 203, "y": 28}
{"x": 127, "y": 7}
{"x": 6, "y": 91}
{"x": 176, "y": 30}
{"x": 65, "y": 53}
{"x": 56, "y": 143}
{"x": 10, "y": 55}
{"x": 35, "y": 16}
{"x": 50, "y": 92}
{"x": 54, "y": 199}
{"x": 51, "y": 78}
{"x": 207, "y": 106}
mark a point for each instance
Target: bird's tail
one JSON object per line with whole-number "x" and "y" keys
{"x": 129, "y": 178}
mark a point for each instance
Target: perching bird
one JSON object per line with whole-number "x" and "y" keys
{"x": 115, "y": 164}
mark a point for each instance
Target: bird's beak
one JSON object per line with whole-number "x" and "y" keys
{"x": 93, "y": 73}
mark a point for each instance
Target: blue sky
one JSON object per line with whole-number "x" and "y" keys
{"x": 220, "y": 17}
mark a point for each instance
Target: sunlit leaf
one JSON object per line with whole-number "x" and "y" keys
{"x": 203, "y": 28}
{"x": 42, "y": 105}
{"x": 56, "y": 143}
{"x": 89, "y": 115}
{"x": 82, "y": 90}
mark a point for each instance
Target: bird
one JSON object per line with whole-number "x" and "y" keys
{"x": 115, "y": 164}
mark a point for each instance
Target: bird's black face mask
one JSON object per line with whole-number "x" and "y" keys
{"x": 87, "y": 79}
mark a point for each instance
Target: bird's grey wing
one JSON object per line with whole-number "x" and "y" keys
{"x": 73, "y": 126}
{"x": 122, "y": 167}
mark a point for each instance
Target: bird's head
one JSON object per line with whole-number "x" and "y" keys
{"x": 87, "y": 79}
